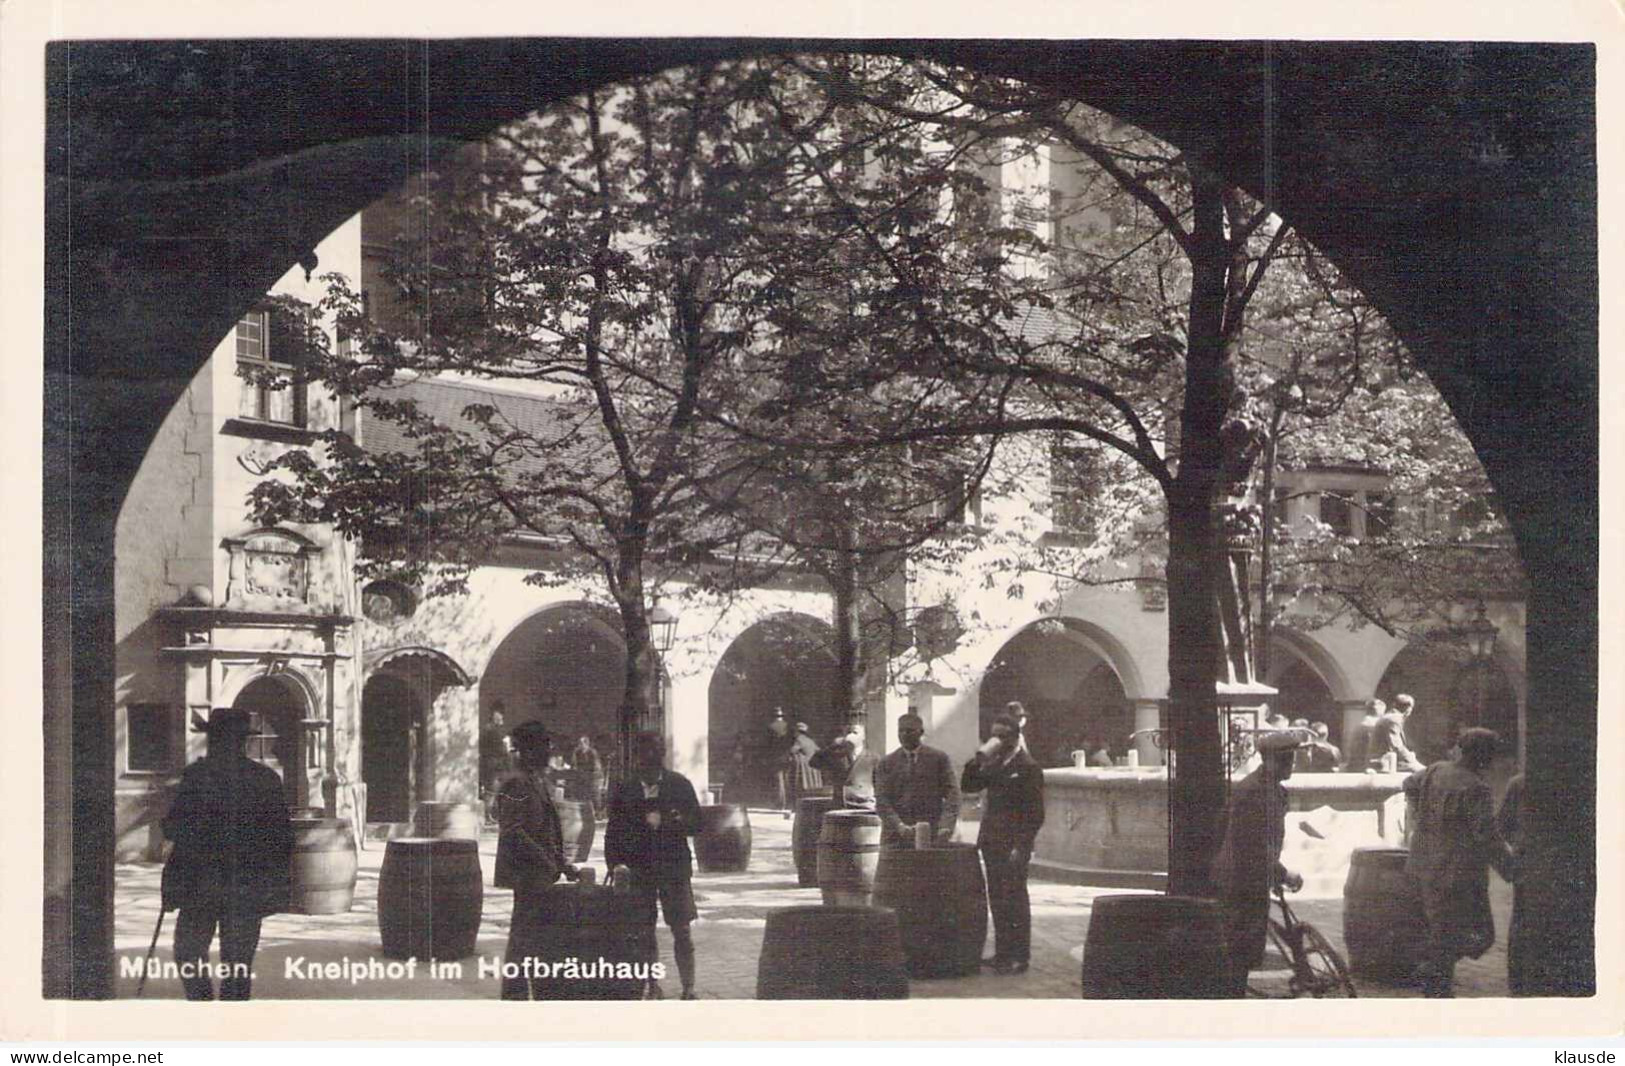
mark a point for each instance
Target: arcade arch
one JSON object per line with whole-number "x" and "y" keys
{"x": 783, "y": 663}
{"x": 564, "y": 666}
{"x": 1312, "y": 190}
{"x": 1310, "y": 683}
{"x": 1453, "y": 692}
{"x": 1076, "y": 682}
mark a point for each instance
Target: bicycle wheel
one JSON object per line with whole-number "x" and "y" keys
{"x": 1282, "y": 956}
{"x": 1324, "y": 974}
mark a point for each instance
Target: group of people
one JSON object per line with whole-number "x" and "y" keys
{"x": 1456, "y": 837}
{"x": 579, "y": 775}
{"x": 652, "y": 813}
{"x": 1380, "y": 734}
{"x": 233, "y": 840}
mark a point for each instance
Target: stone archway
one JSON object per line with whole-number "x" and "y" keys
{"x": 780, "y": 664}
{"x": 393, "y": 753}
{"x": 1075, "y": 681}
{"x": 1472, "y": 163}
{"x": 1309, "y": 682}
{"x": 278, "y": 710}
{"x": 564, "y": 666}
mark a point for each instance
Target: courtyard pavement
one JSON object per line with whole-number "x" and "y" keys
{"x": 728, "y": 937}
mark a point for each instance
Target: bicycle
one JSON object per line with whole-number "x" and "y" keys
{"x": 1317, "y": 968}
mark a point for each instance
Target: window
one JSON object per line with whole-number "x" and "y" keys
{"x": 956, "y": 501}
{"x": 152, "y": 738}
{"x": 1337, "y": 511}
{"x": 266, "y": 345}
{"x": 1075, "y": 485}
{"x": 1379, "y": 515}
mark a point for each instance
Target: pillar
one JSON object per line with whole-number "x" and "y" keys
{"x": 688, "y": 727}
{"x": 1354, "y": 712}
{"x": 1148, "y": 714}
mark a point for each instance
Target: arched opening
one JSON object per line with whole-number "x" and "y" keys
{"x": 280, "y": 740}
{"x": 1547, "y": 356}
{"x": 393, "y": 719}
{"x": 1073, "y": 693}
{"x": 1304, "y": 694}
{"x": 780, "y": 664}
{"x": 1452, "y": 692}
{"x": 564, "y": 667}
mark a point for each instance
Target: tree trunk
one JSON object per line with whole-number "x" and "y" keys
{"x": 640, "y": 705}
{"x": 1197, "y": 786}
{"x": 850, "y": 687}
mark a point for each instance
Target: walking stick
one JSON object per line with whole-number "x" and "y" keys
{"x": 152, "y": 948}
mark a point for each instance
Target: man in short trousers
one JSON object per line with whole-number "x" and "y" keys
{"x": 652, "y": 813}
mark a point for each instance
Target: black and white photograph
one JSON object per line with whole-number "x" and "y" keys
{"x": 654, "y": 516}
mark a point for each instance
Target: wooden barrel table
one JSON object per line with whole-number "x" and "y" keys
{"x": 606, "y": 932}
{"x": 940, "y": 898}
{"x": 723, "y": 843}
{"x": 322, "y": 868}
{"x": 578, "y": 829}
{"x": 848, "y": 857}
{"x": 804, "y": 832}
{"x": 430, "y": 898}
{"x": 1156, "y": 947}
{"x": 831, "y": 953}
{"x": 1384, "y": 928}
{"x": 446, "y": 821}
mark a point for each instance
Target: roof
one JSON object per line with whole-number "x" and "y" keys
{"x": 445, "y": 401}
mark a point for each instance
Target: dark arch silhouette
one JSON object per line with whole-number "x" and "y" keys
{"x": 1455, "y": 183}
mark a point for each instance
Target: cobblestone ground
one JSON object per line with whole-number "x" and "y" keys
{"x": 727, "y": 936}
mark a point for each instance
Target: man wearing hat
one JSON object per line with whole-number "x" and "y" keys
{"x": 1454, "y": 843}
{"x": 804, "y": 777}
{"x": 1248, "y": 866}
{"x": 652, "y": 813}
{"x": 1011, "y": 817}
{"x": 530, "y": 851}
{"x": 229, "y": 866}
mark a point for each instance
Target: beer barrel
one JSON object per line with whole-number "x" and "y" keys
{"x": 607, "y": 933}
{"x": 723, "y": 843}
{"x": 578, "y": 829}
{"x": 1383, "y": 925}
{"x": 848, "y": 855}
{"x": 322, "y": 868}
{"x": 430, "y": 898}
{"x": 940, "y": 898}
{"x": 446, "y": 821}
{"x": 804, "y": 836}
{"x": 831, "y": 953}
{"x": 1156, "y": 947}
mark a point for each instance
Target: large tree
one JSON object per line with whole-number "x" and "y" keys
{"x": 628, "y": 256}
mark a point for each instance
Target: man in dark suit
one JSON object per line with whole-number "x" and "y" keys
{"x": 1010, "y": 820}
{"x": 652, "y": 813}
{"x": 915, "y": 784}
{"x": 229, "y": 867}
{"x": 530, "y": 851}
{"x": 1388, "y": 737}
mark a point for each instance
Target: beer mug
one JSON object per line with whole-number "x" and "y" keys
{"x": 1080, "y": 760}
{"x": 922, "y": 835}
{"x": 1132, "y": 759}
{"x": 588, "y": 876}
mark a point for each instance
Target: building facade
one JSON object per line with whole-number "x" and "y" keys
{"x": 372, "y": 683}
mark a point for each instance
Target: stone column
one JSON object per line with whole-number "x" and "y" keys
{"x": 1353, "y": 713}
{"x": 1148, "y": 715}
